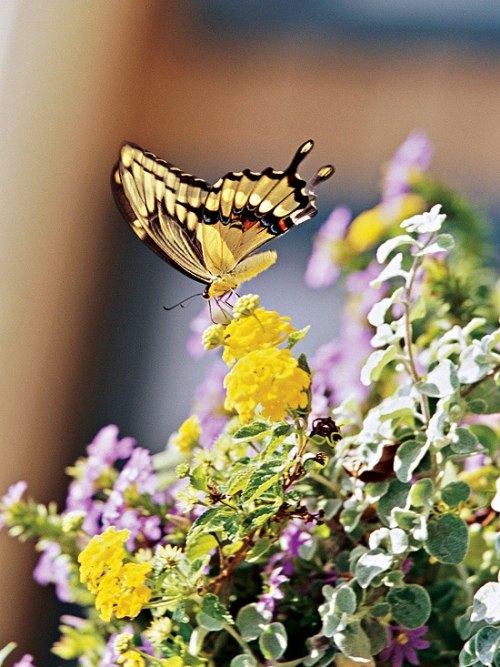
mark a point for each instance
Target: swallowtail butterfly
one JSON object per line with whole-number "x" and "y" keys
{"x": 209, "y": 232}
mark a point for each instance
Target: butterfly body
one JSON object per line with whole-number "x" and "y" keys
{"x": 211, "y": 232}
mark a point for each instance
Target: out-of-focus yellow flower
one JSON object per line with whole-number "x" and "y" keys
{"x": 369, "y": 226}
{"x": 269, "y": 378}
{"x": 261, "y": 330}
{"x": 119, "y": 588}
{"x": 131, "y": 659}
{"x": 188, "y": 435}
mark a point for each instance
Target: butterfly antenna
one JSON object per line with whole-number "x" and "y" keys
{"x": 181, "y": 303}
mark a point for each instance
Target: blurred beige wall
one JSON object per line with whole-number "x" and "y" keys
{"x": 82, "y": 76}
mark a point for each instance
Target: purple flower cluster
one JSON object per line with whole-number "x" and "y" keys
{"x": 209, "y": 404}
{"x": 322, "y": 269}
{"x": 104, "y": 496}
{"x": 414, "y": 154}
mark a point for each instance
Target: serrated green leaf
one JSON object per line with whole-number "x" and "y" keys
{"x": 239, "y": 480}
{"x": 410, "y": 605}
{"x": 214, "y": 519}
{"x": 213, "y": 607}
{"x": 273, "y": 641}
{"x": 455, "y": 493}
{"x": 441, "y": 381}
{"x": 251, "y": 622}
{"x": 408, "y": 456}
{"x": 376, "y": 363}
{"x": 266, "y": 476}
{"x": 447, "y": 539}
{"x": 254, "y": 431}
{"x": 200, "y": 545}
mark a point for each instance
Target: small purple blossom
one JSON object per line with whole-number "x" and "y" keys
{"x": 267, "y": 601}
{"x": 322, "y": 269}
{"x": 26, "y": 661}
{"x": 11, "y": 497}
{"x": 415, "y": 153}
{"x": 292, "y": 538}
{"x": 402, "y": 645}
{"x": 53, "y": 567}
{"x": 209, "y": 404}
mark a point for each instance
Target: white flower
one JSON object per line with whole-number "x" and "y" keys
{"x": 430, "y": 221}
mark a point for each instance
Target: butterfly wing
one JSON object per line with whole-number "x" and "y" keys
{"x": 164, "y": 207}
{"x": 244, "y": 210}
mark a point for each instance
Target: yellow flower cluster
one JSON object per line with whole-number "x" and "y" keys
{"x": 270, "y": 378}
{"x": 188, "y": 434}
{"x": 119, "y": 587}
{"x": 263, "y": 379}
{"x": 131, "y": 658}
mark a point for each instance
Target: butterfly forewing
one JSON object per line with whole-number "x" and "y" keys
{"x": 208, "y": 232}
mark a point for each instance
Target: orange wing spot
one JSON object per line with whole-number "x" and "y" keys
{"x": 282, "y": 225}
{"x": 249, "y": 224}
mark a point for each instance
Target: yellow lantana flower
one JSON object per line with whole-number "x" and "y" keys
{"x": 131, "y": 659}
{"x": 368, "y": 227}
{"x": 188, "y": 434}
{"x": 119, "y": 588}
{"x": 261, "y": 330}
{"x": 269, "y": 378}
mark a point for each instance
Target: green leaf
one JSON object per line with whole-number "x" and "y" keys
{"x": 251, "y": 622}
{"x": 376, "y": 632}
{"x": 486, "y": 643}
{"x": 443, "y": 242}
{"x": 407, "y": 459}
{"x": 213, "y": 615}
{"x": 353, "y": 641}
{"x": 345, "y": 600}
{"x": 376, "y": 363}
{"x": 254, "y": 431}
{"x": 396, "y": 496}
{"x": 455, "y": 493}
{"x": 380, "y": 610}
{"x": 422, "y": 493}
{"x": 447, "y": 539}
{"x": 486, "y": 436}
{"x": 485, "y": 397}
{"x": 179, "y": 615}
{"x": 296, "y": 336}
{"x": 259, "y": 549}
{"x": 273, "y": 641}
{"x": 410, "y": 605}
{"x": 243, "y": 660}
{"x": 266, "y": 476}
{"x": 209, "y": 623}
{"x": 201, "y": 545}
{"x": 441, "y": 381}
{"x": 463, "y": 441}
{"x": 486, "y": 603}
{"x": 371, "y": 565}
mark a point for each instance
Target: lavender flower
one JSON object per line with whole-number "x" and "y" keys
{"x": 13, "y": 496}
{"x": 415, "y": 153}
{"x": 402, "y": 645}
{"x": 322, "y": 269}
{"x": 26, "y": 661}
{"x": 53, "y": 567}
{"x": 275, "y": 579}
{"x": 197, "y": 327}
{"x": 209, "y": 404}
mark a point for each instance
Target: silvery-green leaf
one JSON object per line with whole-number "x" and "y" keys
{"x": 463, "y": 441}
{"x": 273, "y": 641}
{"x": 393, "y": 270}
{"x": 407, "y": 459}
{"x": 486, "y": 644}
{"x": 345, "y": 600}
{"x": 455, "y": 493}
{"x": 385, "y": 249}
{"x": 383, "y": 336}
{"x": 486, "y": 603}
{"x": 243, "y": 660}
{"x": 370, "y": 565}
{"x": 447, "y": 539}
{"x": 443, "y": 243}
{"x": 396, "y": 496}
{"x": 441, "y": 381}
{"x": 422, "y": 492}
{"x": 411, "y": 605}
{"x": 353, "y": 641}
{"x": 376, "y": 363}
{"x": 251, "y": 622}
{"x": 430, "y": 221}
{"x": 376, "y": 316}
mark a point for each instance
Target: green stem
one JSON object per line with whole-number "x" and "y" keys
{"x": 323, "y": 480}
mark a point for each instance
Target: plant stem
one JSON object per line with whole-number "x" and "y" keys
{"x": 237, "y": 637}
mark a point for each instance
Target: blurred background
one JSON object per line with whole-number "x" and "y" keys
{"x": 212, "y": 86}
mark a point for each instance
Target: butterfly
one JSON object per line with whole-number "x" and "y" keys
{"x": 210, "y": 232}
